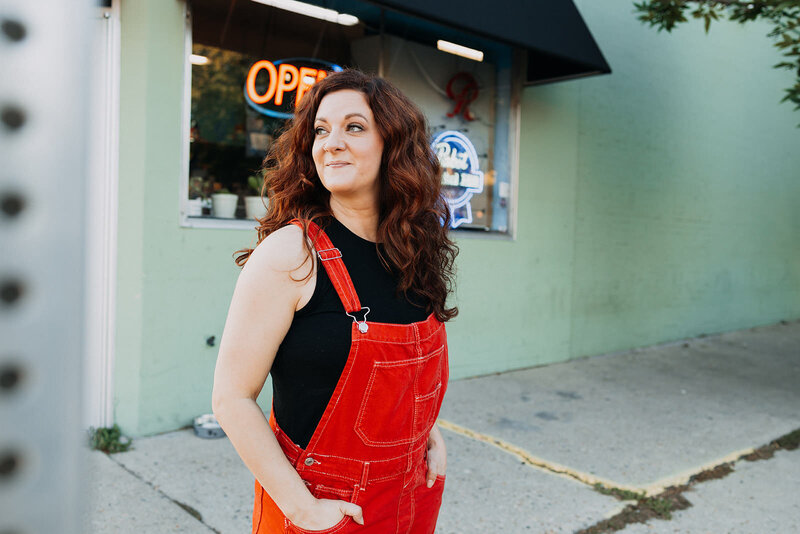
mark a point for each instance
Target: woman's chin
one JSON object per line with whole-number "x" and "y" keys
{"x": 347, "y": 189}
{"x": 341, "y": 190}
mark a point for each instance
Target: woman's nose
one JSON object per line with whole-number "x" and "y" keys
{"x": 333, "y": 142}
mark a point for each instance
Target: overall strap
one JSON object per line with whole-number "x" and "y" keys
{"x": 331, "y": 259}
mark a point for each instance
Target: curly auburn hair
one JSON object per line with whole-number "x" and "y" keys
{"x": 413, "y": 217}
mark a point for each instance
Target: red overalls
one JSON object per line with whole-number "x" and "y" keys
{"x": 370, "y": 446}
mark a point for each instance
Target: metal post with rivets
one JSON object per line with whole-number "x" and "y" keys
{"x": 43, "y": 125}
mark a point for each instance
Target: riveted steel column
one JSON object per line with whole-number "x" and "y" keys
{"x": 43, "y": 88}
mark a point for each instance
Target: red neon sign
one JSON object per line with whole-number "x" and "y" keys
{"x": 282, "y": 80}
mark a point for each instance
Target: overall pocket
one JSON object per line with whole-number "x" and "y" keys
{"x": 400, "y": 400}
{"x": 325, "y": 492}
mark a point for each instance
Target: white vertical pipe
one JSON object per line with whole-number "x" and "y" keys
{"x": 102, "y": 211}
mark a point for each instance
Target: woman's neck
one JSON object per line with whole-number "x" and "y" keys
{"x": 362, "y": 220}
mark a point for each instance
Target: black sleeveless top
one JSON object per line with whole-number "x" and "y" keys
{"x": 314, "y": 351}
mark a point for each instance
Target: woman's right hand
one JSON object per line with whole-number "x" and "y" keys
{"x": 326, "y": 513}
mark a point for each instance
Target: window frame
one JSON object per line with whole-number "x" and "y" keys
{"x": 514, "y": 130}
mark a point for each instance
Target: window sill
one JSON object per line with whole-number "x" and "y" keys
{"x": 218, "y": 223}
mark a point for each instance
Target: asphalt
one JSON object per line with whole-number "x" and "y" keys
{"x": 526, "y": 448}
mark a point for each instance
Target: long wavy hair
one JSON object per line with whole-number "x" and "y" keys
{"x": 413, "y": 216}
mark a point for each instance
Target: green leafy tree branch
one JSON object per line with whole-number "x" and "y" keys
{"x": 783, "y": 14}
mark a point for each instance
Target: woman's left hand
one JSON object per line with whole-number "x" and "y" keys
{"x": 437, "y": 455}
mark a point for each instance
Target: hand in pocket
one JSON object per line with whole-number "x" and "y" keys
{"x": 328, "y": 513}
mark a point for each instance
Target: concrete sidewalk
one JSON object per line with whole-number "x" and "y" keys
{"x": 525, "y": 448}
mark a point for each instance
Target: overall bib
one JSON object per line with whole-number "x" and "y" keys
{"x": 370, "y": 445}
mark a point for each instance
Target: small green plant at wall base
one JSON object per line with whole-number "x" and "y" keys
{"x": 108, "y": 440}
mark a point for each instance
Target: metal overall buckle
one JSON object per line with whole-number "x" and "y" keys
{"x": 328, "y": 254}
{"x": 362, "y": 325}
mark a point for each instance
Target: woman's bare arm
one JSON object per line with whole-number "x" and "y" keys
{"x": 261, "y": 311}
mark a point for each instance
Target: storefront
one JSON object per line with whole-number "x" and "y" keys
{"x": 189, "y": 95}
{"x": 249, "y": 62}
{"x": 593, "y": 215}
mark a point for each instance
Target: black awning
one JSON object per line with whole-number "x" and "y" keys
{"x": 558, "y": 42}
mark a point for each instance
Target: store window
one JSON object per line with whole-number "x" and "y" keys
{"x": 250, "y": 63}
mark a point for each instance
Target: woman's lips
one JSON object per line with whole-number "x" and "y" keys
{"x": 337, "y": 164}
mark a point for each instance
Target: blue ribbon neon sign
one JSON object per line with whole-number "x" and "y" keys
{"x": 461, "y": 176}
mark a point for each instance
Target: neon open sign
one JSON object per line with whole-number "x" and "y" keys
{"x": 287, "y": 80}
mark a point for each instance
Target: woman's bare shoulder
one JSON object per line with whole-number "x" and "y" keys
{"x": 282, "y": 251}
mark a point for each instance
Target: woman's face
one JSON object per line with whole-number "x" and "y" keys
{"x": 347, "y": 146}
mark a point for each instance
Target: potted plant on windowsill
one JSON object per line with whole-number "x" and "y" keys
{"x": 254, "y": 205}
{"x": 223, "y": 204}
{"x": 198, "y": 196}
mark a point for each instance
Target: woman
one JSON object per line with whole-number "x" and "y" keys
{"x": 343, "y": 302}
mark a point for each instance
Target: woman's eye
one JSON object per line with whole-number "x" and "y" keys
{"x": 319, "y": 130}
{"x": 355, "y": 127}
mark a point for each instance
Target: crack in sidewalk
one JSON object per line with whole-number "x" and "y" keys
{"x": 185, "y": 507}
{"x": 671, "y": 499}
{"x": 660, "y": 505}
{"x": 529, "y": 459}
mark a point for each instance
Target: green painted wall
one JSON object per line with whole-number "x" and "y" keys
{"x": 174, "y": 283}
{"x": 688, "y": 203}
{"x": 655, "y": 203}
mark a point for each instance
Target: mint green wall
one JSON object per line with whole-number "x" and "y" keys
{"x": 655, "y": 203}
{"x": 688, "y": 201}
{"x": 174, "y": 283}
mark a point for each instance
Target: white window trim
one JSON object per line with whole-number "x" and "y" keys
{"x": 515, "y": 129}
{"x": 187, "y": 221}
{"x": 219, "y": 223}
{"x": 183, "y": 183}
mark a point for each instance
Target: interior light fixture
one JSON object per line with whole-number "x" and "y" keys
{"x": 312, "y": 11}
{"x": 199, "y": 60}
{"x": 463, "y": 51}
